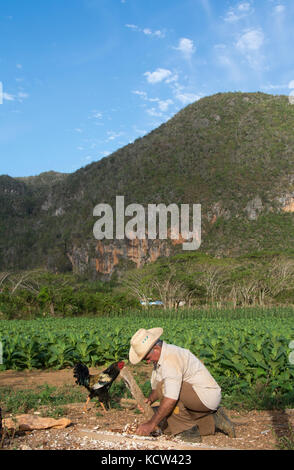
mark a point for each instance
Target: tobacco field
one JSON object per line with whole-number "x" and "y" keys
{"x": 239, "y": 348}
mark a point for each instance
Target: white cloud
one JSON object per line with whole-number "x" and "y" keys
{"x": 186, "y": 47}
{"x": 132, "y": 26}
{"x": 7, "y": 96}
{"x": 291, "y": 84}
{"x": 231, "y": 17}
{"x": 244, "y": 6}
{"x": 250, "y": 41}
{"x": 21, "y": 96}
{"x": 250, "y": 44}
{"x": 147, "y": 31}
{"x": 114, "y": 135}
{"x": 139, "y": 131}
{"x": 270, "y": 86}
{"x": 164, "y": 104}
{"x": 145, "y": 97}
{"x": 154, "y": 112}
{"x": 239, "y": 12}
{"x": 172, "y": 79}
{"x": 279, "y": 9}
{"x": 143, "y": 94}
{"x": 158, "y": 75}
{"x": 186, "y": 98}
{"x": 219, "y": 46}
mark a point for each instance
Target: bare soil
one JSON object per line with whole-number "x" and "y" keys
{"x": 255, "y": 430}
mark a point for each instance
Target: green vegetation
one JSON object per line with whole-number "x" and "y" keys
{"x": 32, "y": 294}
{"x": 243, "y": 350}
{"x": 23, "y": 401}
{"x": 189, "y": 279}
{"x": 231, "y": 152}
{"x": 197, "y": 279}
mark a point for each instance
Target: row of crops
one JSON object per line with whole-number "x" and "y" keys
{"x": 242, "y": 350}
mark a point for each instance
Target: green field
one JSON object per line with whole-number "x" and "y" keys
{"x": 243, "y": 349}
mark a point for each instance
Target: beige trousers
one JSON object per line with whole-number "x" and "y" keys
{"x": 189, "y": 411}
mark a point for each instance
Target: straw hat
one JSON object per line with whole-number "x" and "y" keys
{"x": 142, "y": 342}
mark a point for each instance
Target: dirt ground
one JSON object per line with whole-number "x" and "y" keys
{"x": 93, "y": 430}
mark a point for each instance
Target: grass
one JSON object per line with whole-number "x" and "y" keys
{"x": 23, "y": 401}
{"x": 286, "y": 442}
{"x": 257, "y": 397}
{"x": 50, "y": 401}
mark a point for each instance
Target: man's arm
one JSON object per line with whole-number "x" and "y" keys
{"x": 166, "y": 407}
{"x": 152, "y": 397}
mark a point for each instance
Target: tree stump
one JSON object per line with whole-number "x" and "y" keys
{"x": 136, "y": 392}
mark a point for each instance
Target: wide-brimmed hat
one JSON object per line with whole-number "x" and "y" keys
{"x": 142, "y": 342}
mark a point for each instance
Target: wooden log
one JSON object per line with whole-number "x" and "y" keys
{"x": 136, "y": 391}
{"x": 129, "y": 403}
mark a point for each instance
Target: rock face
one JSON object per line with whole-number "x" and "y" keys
{"x": 109, "y": 256}
{"x": 253, "y": 208}
{"x": 288, "y": 203}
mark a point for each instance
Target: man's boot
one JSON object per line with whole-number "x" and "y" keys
{"x": 190, "y": 435}
{"x": 223, "y": 423}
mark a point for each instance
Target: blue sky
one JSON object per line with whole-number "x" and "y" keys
{"x": 82, "y": 78}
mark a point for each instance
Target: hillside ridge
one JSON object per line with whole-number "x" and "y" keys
{"x": 233, "y": 153}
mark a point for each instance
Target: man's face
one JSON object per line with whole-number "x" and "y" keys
{"x": 153, "y": 355}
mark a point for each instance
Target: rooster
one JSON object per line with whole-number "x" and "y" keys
{"x": 98, "y": 385}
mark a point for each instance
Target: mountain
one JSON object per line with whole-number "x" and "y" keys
{"x": 233, "y": 153}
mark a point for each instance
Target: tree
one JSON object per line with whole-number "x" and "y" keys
{"x": 139, "y": 285}
{"x": 212, "y": 278}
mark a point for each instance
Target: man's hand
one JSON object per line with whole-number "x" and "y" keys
{"x": 151, "y": 399}
{"x": 148, "y": 401}
{"x": 166, "y": 407}
{"x": 145, "y": 429}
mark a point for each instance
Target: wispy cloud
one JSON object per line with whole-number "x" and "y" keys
{"x": 112, "y": 135}
{"x": 95, "y": 115}
{"x": 278, "y": 9}
{"x": 187, "y": 98}
{"x": 7, "y": 96}
{"x": 271, "y": 87}
{"x": 251, "y": 40}
{"x": 20, "y": 96}
{"x": 147, "y": 31}
{"x": 162, "y": 105}
{"x": 242, "y": 10}
{"x": 186, "y": 47}
{"x": 250, "y": 44}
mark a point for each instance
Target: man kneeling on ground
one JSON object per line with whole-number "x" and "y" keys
{"x": 189, "y": 396}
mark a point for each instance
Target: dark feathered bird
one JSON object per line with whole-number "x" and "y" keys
{"x": 98, "y": 385}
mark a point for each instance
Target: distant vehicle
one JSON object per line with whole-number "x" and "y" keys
{"x": 151, "y": 302}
